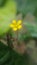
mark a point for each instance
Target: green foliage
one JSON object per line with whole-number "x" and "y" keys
{"x": 4, "y": 53}
{"x": 2, "y": 3}
{"x": 7, "y": 13}
{"x": 31, "y": 27}
{"x": 25, "y": 6}
{"x": 35, "y": 12}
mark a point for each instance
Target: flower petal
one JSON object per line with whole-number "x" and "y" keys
{"x": 11, "y": 25}
{"x": 19, "y": 22}
{"x": 14, "y": 22}
{"x": 20, "y": 26}
{"x": 14, "y": 29}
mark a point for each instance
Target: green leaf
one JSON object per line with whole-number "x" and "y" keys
{"x": 7, "y": 14}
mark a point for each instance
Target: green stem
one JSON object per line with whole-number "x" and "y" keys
{"x": 17, "y": 36}
{"x": 9, "y": 37}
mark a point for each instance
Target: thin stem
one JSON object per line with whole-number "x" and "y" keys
{"x": 9, "y": 41}
{"x": 16, "y": 36}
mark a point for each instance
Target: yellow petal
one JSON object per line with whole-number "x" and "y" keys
{"x": 14, "y": 22}
{"x": 19, "y": 22}
{"x": 20, "y": 26}
{"x": 11, "y": 25}
{"x": 14, "y": 29}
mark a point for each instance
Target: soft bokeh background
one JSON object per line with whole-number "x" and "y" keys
{"x": 26, "y": 10}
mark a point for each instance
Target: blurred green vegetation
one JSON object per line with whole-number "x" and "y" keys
{"x": 7, "y": 14}
{"x": 25, "y": 6}
{"x": 8, "y": 10}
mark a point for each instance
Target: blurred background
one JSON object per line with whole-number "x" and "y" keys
{"x": 26, "y": 10}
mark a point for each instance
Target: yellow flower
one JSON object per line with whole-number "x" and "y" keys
{"x": 16, "y": 25}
